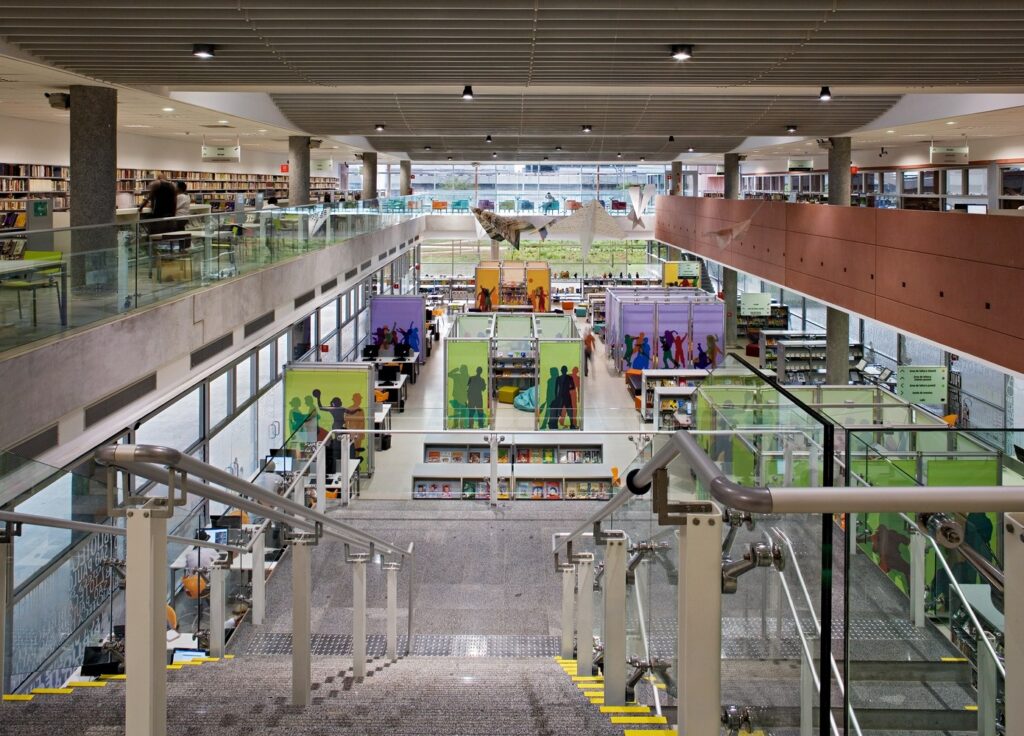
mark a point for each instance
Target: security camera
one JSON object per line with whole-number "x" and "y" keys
{"x": 825, "y": 144}
{"x": 315, "y": 142}
{"x": 58, "y": 100}
{"x": 883, "y": 152}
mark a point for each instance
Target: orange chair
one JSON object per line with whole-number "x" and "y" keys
{"x": 439, "y": 205}
{"x": 572, "y": 205}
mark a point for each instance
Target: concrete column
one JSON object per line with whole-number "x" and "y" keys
{"x": 839, "y": 172}
{"x": 145, "y": 613}
{"x": 677, "y": 178}
{"x": 298, "y": 170}
{"x": 730, "y": 279}
{"x": 837, "y": 347}
{"x": 405, "y": 178}
{"x": 369, "y": 175}
{"x": 732, "y": 175}
{"x": 93, "y": 187}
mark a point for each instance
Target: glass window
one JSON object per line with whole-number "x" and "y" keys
{"x": 220, "y": 398}
{"x": 178, "y": 425}
{"x": 265, "y": 365}
{"x": 955, "y": 181}
{"x": 270, "y": 411}
{"x": 328, "y": 320}
{"x": 880, "y": 343}
{"x": 919, "y": 352}
{"x": 282, "y": 351}
{"x": 234, "y": 447}
{"x": 243, "y": 380}
{"x": 986, "y": 383}
{"x": 977, "y": 182}
{"x": 910, "y": 182}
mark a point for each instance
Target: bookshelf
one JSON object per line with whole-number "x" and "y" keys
{"x": 21, "y": 183}
{"x": 803, "y": 361}
{"x": 217, "y": 189}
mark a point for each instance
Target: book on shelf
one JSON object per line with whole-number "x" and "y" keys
{"x": 433, "y": 456}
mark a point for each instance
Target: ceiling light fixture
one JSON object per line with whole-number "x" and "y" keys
{"x": 642, "y": 158}
{"x": 545, "y": 158}
{"x": 950, "y": 122}
{"x": 488, "y": 139}
{"x": 262, "y": 130}
{"x": 203, "y": 50}
{"x": 426, "y": 148}
{"x": 791, "y": 128}
{"x": 494, "y": 154}
{"x": 222, "y": 122}
{"x": 467, "y": 92}
{"x": 682, "y": 52}
{"x": 890, "y": 131}
{"x": 671, "y": 139}
{"x": 449, "y": 158}
{"x": 825, "y": 95}
{"x": 690, "y": 149}
{"x": 558, "y": 148}
{"x": 167, "y": 109}
{"x": 618, "y": 155}
{"x": 587, "y": 128}
{"x": 379, "y": 127}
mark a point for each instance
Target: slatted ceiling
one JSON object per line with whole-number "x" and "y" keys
{"x": 742, "y": 42}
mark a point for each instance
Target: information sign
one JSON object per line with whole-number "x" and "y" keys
{"x": 755, "y": 304}
{"x": 922, "y": 384}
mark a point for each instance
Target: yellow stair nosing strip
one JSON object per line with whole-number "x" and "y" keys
{"x": 953, "y": 659}
{"x": 174, "y": 666}
{"x": 86, "y": 683}
{"x": 662, "y": 720}
{"x": 971, "y": 707}
{"x": 15, "y": 698}
{"x": 113, "y": 677}
{"x": 647, "y": 731}
{"x": 229, "y": 656}
{"x": 52, "y": 691}
{"x": 588, "y": 678}
{"x": 208, "y": 659}
{"x": 625, "y": 709}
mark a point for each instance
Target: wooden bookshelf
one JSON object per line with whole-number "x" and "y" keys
{"x": 218, "y": 189}
{"x": 21, "y": 183}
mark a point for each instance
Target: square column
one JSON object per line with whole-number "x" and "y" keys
{"x": 369, "y": 175}
{"x": 145, "y": 614}
{"x": 405, "y": 178}
{"x": 298, "y": 170}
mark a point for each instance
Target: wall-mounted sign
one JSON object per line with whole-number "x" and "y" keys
{"x": 284, "y": 168}
{"x": 222, "y": 153}
{"x": 948, "y": 154}
{"x": 755, "y": 304}
{"x": 40, "y": 207}
{"x": 800, "y": 164}
{"x": 922, "y": 384}
{"x": 322, "y": 167}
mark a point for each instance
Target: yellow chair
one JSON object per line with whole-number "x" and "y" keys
{"x": 36, "y": 278}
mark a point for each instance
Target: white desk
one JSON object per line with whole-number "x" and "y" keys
{"x": 409, "y": 366}
{"x": 397, "y": 392}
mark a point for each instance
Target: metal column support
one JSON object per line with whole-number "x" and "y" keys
{"x": 699, "y": 637}
{"x": 6, "y": 584}
{"x": 302, "y": 588}
{"x": 917, "y": 578}
{"x": 614, "y": 634}
{"x": 344, "y": 468}
{"x": 808, "y": 698}
{"x": 321, "y": 478}
{"x": 259, "y": 580}
{"x": 358, "y": 562}
{"x": 392, "y": 646}
{"x": 493, "y": 495}
{"x": 584, "y": 614}
{"x": 988, "y": 687}
{"x": 1013, "y": 633}
{"x": 568, "y": 591}
{"x": 218, "y": 602}
{"x": 145, "y": 614}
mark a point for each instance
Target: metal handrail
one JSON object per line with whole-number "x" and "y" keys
{"x": 84, "y": 526}
{"x": 152, "y": 461}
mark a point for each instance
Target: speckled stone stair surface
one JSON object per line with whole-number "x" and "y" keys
{"x": 420, "y": 696}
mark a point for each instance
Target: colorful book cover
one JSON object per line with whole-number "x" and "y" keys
{"x": 502, "y": 455}
{"x": 474, "y": 456}
{"x": 458, "y": 456}
{"x": 571, "y": 488}
{"x": 433, "y": 456}
{"x": 469, "y": 489}
{"x": 552, "y": 490}
{"x": 522, "y": 489}
{"x": 503, "y": 485}
{"x": 549, "y": 454}
{"x": 523, "y": 455}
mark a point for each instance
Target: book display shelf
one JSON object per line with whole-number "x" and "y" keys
{"x": 767, "y": 344}
{"x": 803, "y": 361}
{"x": 21, "y": 183}
{"x": 753, "y": 326}
{"x": 217, "y": 189}
{"x": 532, "y": 467}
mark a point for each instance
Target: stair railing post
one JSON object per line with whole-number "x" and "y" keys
{"x": 584, "y": 614}
{"x": 302, "y": 589}
{"x": 358, "y": 562}
{"x": 218, "y": 602}
{"x": 1013, "y": 611}
{"x": 699, "y": 635}
{"x": 568, "y": 595}
{"x": 6, "y": 588}
{"x": 321, "y": 478}
{"x": 917, "y": 577}
{"x": 988, "y": 687}
{"x": 808, "y": 696}
{"x": 259, "y": 580}
{"x": 614, "y": 602}
{"x": 391, "y": 568}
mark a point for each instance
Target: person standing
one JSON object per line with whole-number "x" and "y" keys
{"x": 182, "y": 202}
{"x": 475, "y": 388}
{"x": 588, "y": 351}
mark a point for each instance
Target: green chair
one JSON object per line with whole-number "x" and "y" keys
{"x": 507, "y": 205}
{"x": 35, "y": 279}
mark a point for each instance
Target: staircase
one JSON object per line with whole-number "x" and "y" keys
{"x": 418, "y": 695}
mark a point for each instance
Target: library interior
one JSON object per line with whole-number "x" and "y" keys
{"x": 614, "y": 368}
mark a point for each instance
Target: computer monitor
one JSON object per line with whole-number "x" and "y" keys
{"x": 371, "y": 352}
{"x": 217, "y": 535}
{"x": 387, "y": 373}
{"x": 402, "y": 351}
{"x": 186, "y": 655}
{"x": 227, "y": 521}
{"x": 884, "y": 375}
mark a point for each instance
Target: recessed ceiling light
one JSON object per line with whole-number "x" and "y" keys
{"x": 671, "y": 139}
{"x": 222, "y": 122}
{"x": 890, "y": 131}
{"x": 167, "y": 109}
{"x": 262, "y": 130}
{"x": 203, "y": 50}
{"x": 825, "y": 95}
{"x": 791, "y": 128}
{"x": 618, "y": 155}
{"x": 449, "y": 158}
{"x": 558, "y": 148}
{"x": 643, "y": 158}
{"x": 494, "y": 154}
{"x": 682, "y": 52}
{"x": 137, "y": 125}
{"x": 426, "y": 148}
{"x": 950, "y": 122}
{"x": 467, "y": 92}
{"x": 488, "y": 139}
{"x": 690, "y": 149}
{"x": 545, "y": 158}
{"x": 379, "y": 127}
{"x": 587, "y": 128}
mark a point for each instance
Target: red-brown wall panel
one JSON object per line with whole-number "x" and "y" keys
{"x": 890, "y": 265}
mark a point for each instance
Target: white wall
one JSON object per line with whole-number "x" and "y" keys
{"x": 36, "y": 142}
